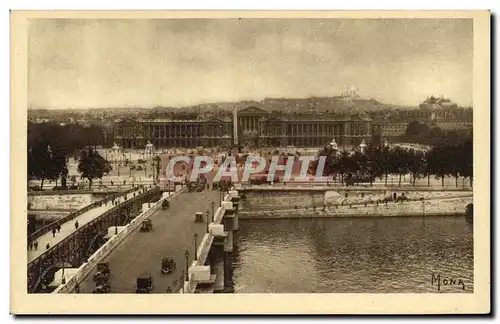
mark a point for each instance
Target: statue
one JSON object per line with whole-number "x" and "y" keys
{"x": 362, "y": 146}
{"x": 333, "y": 145}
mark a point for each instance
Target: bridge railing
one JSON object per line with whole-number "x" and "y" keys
{"x": 204, "y": 247}
{"x": 38, "y": 262}
{"x": 85, "y": 269}
{"x": 47, "y": 228}
{"x": 95, "y": 190}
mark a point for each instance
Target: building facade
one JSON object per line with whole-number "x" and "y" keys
{"x": 250, "y": 127}
{"x": 435, "y": 112}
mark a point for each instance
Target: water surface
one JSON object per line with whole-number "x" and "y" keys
{"x": 353, "y": 255}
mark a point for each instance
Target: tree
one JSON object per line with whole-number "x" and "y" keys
{"x": 92, "y": 165}
{"x": 376, "y": 161}
{"x": 46, "y": 162}
{"x": 466, "y": 161}
{"x": 399, "y": 160}
{"x": 417, "y": 130}
{"x": 416, "y": 164}
{"x": 342, "y": 165}
{"x": 386, "y": 158}
{"x": 439, "y": 160}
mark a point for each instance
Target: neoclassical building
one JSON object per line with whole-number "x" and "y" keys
{"x": 249, "y": 127}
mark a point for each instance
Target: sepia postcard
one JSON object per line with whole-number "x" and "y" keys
{"x": 250, "y": 162}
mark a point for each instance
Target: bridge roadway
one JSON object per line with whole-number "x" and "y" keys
{"x": 172, "y": 235}
{"x": 68, "y": 228}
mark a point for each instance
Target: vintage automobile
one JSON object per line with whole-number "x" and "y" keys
{"x": 198, "y": 217}
{"x": 144, "y": 283}
{"x": 102, "y": 285}
{"x": 146, "y": 225}
{"x": 101, "y": 289}
{"x": 167, "y": 265}
{"x": 103, "y": 267}
{"x": 202, "y": 183}
{"x": 103, "y": 272}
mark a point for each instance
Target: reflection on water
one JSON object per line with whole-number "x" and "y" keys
{"x": 353, "y": 255}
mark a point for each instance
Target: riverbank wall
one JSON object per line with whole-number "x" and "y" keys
{"x": 425, "y": 208}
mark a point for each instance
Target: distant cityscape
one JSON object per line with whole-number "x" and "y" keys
{"x": 276, "y": 122}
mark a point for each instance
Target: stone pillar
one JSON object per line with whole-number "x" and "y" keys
{"x": 235, "y": 126}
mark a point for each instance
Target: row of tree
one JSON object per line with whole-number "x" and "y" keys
{"x": 422, "y": 133}
{"x": 379, "y": 162}
{"x": 50, "y": 146}
{"x": 46, "y": 162}
{"x": 68, "y": 138}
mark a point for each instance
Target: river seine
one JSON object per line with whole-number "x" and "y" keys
{"x": 354, "y": 255}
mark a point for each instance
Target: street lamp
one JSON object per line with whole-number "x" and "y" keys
{"x": 63, "y": 279}
{"x": 207, "y": 213}
{"x": 186, "y": 254}
{"x": 182, "y": 281}
{"x": 149, "y": 152}
{"x": 195, "y": 246}
{"x": 116, "y": 225}
{"x": 213, "y": 205}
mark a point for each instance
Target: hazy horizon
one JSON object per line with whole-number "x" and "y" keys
{"x": 184, "y": 62}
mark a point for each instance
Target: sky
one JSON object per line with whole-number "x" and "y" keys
{"x": 75, "y": 63}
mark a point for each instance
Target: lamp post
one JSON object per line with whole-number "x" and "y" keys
{"x": 149, "y": 152}
{"x": 186, "y": 254}
{"x": 207, "y": 219}
{"x": 116, "y": 225}
{"x": 195, "y": 246}
{"x": 213, "y": 215}
{"x": 63, "y": 279}
{"x": 423, "y": 207}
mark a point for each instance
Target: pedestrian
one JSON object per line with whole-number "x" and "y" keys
{"x": 169, "y": 290}
{"x": 76, "y": 225}
{"x": 30, "y": 245}
{"x": 35, "y": 245}
{"x": 59, "y": 228}
{"x": 47, "y": 246}
{"x": 53, "y": 232}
